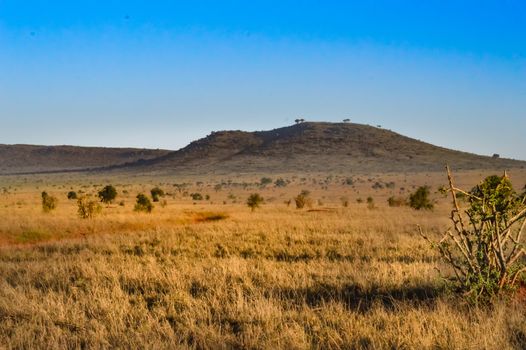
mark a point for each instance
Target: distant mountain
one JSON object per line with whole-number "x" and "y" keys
{"x": 16, "y": 159}
{"x": 313, "y": 147}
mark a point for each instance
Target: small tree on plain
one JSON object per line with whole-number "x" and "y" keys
{"x": 143, "y": 204}
{"x": 156, "y": 193}
{"x": 254, "y": 201}
{"x": 420, "y": 199}
{"x": 88, "y": 207}
{"x": 49, "y": 202}
{"x": 107, "y": 194}
{"x": 72, "y": 195}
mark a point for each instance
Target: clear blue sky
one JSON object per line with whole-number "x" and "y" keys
{"x": 162, "y": 73}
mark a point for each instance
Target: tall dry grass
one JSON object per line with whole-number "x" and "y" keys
{"x": 277, "y": 278}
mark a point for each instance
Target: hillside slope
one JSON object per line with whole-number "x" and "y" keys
{"x": 315, "y": 147}
{"x": 16, "y": 159}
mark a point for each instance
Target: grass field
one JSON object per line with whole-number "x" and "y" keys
{"x": 212, "y": 274}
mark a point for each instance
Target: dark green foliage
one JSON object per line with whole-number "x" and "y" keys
{"x": 72, "y": 195}
{"x": 107, "y": 194}
{"x": 280, "y": 182}
{"x": 143, "y": 204}
{"x": 265, "y": 181}
{"x": 254, "y": 201}
{"x": 49, "y": 203}
{"x": 156, "y": 193}
{"x": 420, "y": 199}
{"x": 196, "y": 196}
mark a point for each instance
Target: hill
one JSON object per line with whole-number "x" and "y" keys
{"x": 314, "y": 147}
{"x": 17, "y": 159}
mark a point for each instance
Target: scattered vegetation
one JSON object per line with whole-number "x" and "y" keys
{"x": 420, "y": 199}
{"x": 72, "y": 195}
{"x": 143, "y": 204}
{"x": 254, "y": 201}
{"x": 108, "y": 194}
{"x": 49, "y": 203}
{"x": 87, "y": 207}
{"x": 156, "y": 193}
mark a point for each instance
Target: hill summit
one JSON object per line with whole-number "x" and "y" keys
{"x": 314, "y": 147}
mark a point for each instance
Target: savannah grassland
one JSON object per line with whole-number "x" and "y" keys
{"x": 213, "y": 274}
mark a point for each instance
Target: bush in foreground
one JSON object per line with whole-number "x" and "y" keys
{"x": 484, "y": 247}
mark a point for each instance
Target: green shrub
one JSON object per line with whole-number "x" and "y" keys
{"x": 420, "y": 199}
{"x": 280, "y": 183}
{"x": 72, "y": 195}
{"x": 265, "y": 181}
{"x": 107, "y": 194}
{"x": 49, "y": 203}
{"x": 156, "y": 193}
{"x": 196, "y": 196}
{"x": 143, "y": 204}
{"x": 87, "y": 207}
{"x": 254, "y": 201}
{"x": 484, "y": 246}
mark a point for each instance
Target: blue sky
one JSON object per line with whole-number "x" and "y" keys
{"x": 160, "y": 74}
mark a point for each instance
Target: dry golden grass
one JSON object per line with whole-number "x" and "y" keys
{"x": 218, "y": 276}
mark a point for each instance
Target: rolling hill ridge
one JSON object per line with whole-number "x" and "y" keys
{"x": 315, "y": 147}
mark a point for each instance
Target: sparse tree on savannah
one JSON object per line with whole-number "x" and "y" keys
{"x": 485, "y": 247}
{"x": 143, "y": 204}
{"x": 420, "y": 199}
{"x": 72, "y": 195}
{"x": 107, "y": 194}
{"x": 87, "y": 207}
{"x": 346, "y": 120}
{"x": 156, "y": 193}
{"x": 254, "y": 201}
{"x": 49, "y": 203}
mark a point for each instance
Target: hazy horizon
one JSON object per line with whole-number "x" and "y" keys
{"x": 161, "y": 75}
